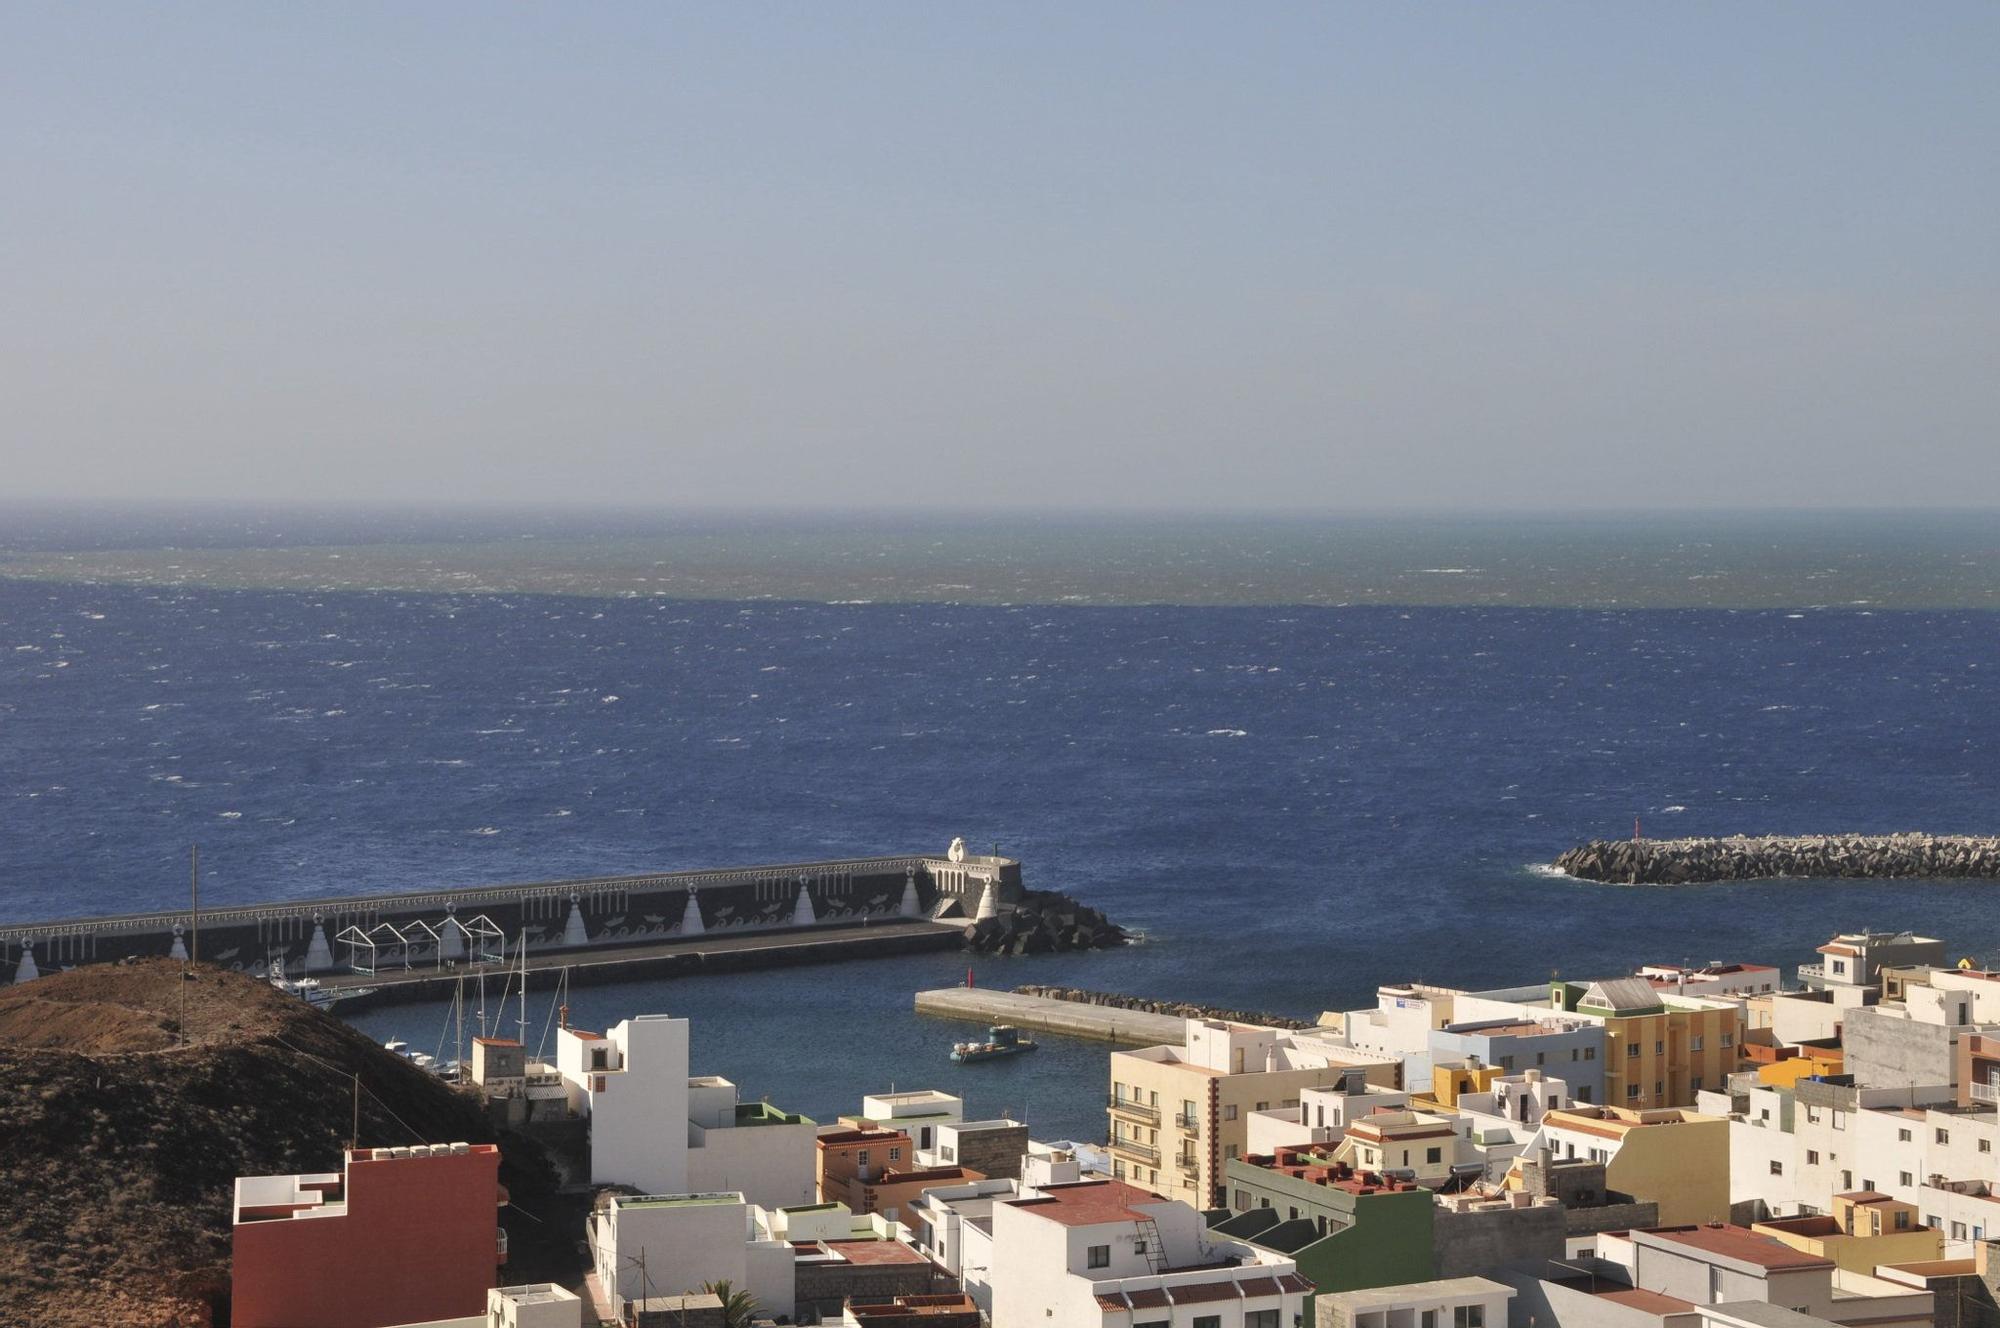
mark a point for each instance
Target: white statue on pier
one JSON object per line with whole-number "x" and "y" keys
{"x": 909, "y": 907}
{"x": 803, "y": 914}
{"x": 691, "y": 924}
{"x": 574, "y": 931}
{"x": 956, "y": 853}
{"x": 319, "y": 952}
{"x": 989, "y": 900}
{"x": 26, "y": 970}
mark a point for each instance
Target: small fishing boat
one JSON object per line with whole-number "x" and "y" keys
{"x": 1001, "y": 1040}
{"x": 310, "y": 990}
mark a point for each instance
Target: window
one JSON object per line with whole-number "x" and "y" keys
{"x": 1728, "y": 1039}
{"x": 1812, "y": 1157}
{"x": 1097, "y": 1256}
{"x": 1208, "y": 1321}
{"x": 1242, "y": 1204}
{"x": 1590, "y": 1053}
{"x": 1777, "y": 1167}
{"x": 1694, "y": 1043}
{"x": 1631, "y": 1051}
{"x": 1430, "y": 1319}
{"x": 1632, "y": 1092}
{"x": 1905, "y": 1178}
{"x": 1659, "y": 1048}
{"x": 1263, "y": 1106}
{"x": 1229, "y": 1112}
{"x": 1541, "y": 1058}
{"x": 600, "y": 1058}
{"x": 1694, "y": 1085}
{"x": 1583, "y": 1094}
{"x": 1230, "y": 1150}
{"x": 1139, "y": 1245}
{"x": 1902, "y": 1136}
{"x": 1846, "y": 1180}
{"x": 1468, "y": 1316}
{"x": 861, "y": 1158}
{"x": 1944, "y": 1136}
{"x": 1659, "y": 1090}
{"x": 1261, "y": 1319}
{"x": 1434, "y": 1155}
{"x": 895, "y": 1155}
{"x": 1985, "y": 1145}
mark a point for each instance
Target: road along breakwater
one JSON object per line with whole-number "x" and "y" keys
{"x": 1760, "y": 857}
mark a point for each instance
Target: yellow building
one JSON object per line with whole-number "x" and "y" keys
{"x": 1866, "y": 1229}
{"x": 1659, "y": 1049}
{"x": 1448, "y": 1081}
{"x": 1179, "y": 1114}
{"x": 1667, "y": 1156}
{"x": 1809, "y": 1062}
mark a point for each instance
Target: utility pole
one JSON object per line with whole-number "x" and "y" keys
{"x": 194, "y": 904}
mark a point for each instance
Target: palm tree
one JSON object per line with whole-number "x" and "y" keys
{"x": 738, "y": 1307}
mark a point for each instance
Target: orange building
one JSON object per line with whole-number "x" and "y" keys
{"x": 403, "y": 1235}
{"x": 849, "y": 1160}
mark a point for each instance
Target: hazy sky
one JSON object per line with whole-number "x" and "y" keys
{"x": 1087, "y": 255}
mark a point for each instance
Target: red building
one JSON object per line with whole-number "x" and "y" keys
{"x": 405, "y": 1235}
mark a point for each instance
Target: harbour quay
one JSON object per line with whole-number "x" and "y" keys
{"x": 602, "y": 928}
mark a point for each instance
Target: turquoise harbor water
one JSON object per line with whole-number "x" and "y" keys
{"x": 1295, "y": 799}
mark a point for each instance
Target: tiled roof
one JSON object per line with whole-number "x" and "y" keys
{"x": 1740, "y": 1244}
{"x": 1088, "y": 1203}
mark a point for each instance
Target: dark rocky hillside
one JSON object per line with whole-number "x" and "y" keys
{"x": 119, "y": 1147}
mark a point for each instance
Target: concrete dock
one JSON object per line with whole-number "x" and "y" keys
{"x": 1098, "y": 1023}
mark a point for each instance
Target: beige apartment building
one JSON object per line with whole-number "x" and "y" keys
{"x": 1179, "y": 1114}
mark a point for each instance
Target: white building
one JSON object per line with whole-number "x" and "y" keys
{"x": 1321, "y": 1116}
{"x": 1400, "y": 1025}
{"x": 1105, "y": 1254}
{"x": 954, "y": 1223}
{"x": 655, "y": 1129}
{"x": 654, "y": 1245}
{"x": 1456, "y": 1302}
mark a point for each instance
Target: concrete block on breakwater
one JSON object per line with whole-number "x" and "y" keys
{"x": 1749, "y": 858}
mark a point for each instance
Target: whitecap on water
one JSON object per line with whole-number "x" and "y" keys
{"x": 608, "y": 699}
{"x": 1545, "y": 869}
{"x": 1228, "y": 733}
{"x": 485, "y": 830}
{"x": 1675, "y": 808}
{"x": 230, "y": 816}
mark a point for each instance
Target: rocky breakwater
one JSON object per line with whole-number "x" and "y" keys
{"x": 1044, "y": 922}
{"x": 1749, "y": 858}
{"x": 1177, "y": 1009}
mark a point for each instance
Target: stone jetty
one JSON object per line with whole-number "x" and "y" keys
{"x": 1749, "y": 858}
{"x": 1176, "y": 1009}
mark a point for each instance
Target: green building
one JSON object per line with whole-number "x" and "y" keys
{"x": 1348, "y": 1230}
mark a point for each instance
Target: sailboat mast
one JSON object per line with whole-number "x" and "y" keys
{"x": 524, "y": 989}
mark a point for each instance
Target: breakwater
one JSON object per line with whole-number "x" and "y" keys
{"x": 401, "y": 937}
{"x": 1043, "y": 922}
{"x": 1749, "y": 858}
{"x": 1174, "y": 1009}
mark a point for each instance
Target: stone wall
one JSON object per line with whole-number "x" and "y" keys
{"x": 1174, "y": 1009}
{"x": 1745, "y": 858}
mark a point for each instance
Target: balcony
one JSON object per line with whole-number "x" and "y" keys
{"x": 1126, "y": 1106}
{"x": 1188, "y": 1124}
{"x": 1989, "y": 1094}
{"x": 1188, "y": 1163}
{"x": 1132, "y": 1148}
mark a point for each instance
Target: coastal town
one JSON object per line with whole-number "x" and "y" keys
{"x": 1725, "y": 1146}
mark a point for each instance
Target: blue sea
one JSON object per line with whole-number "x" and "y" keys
{"x": 1292, "y": 802}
